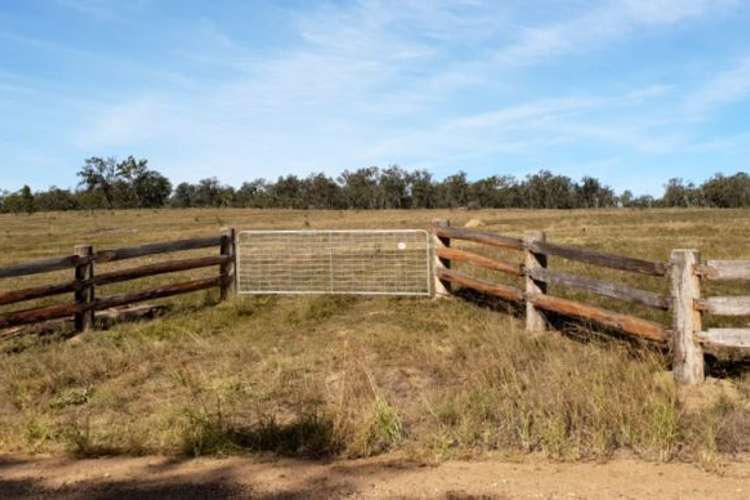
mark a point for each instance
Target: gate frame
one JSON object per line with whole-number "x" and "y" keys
{"x": 428, "y": 260}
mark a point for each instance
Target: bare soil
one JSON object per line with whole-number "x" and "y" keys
{"x": 383, "y": 477}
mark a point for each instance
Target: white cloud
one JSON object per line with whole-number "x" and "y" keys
{"x": 540, "y": 125}
{"x": 730, "y": 86}
{"x": 671, "y": 11}
{"x": 610, "y": 21}
{"x": 102, "y": 9}
{"x": 369, "y": 83}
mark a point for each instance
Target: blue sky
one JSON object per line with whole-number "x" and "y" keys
{"x": 631, "y": 91}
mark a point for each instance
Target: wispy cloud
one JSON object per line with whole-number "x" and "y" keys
{"x": 600, "y": 24}
{"x": 729, "y": 86}
{"x": 441, "y": 84}
{"x": 102, "y": 9}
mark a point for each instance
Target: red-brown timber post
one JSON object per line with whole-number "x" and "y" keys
{"x": 440, "y": 288}
{"x": 535, "y": 321}
{"x": 228, "y": 269}
{"x": 687, "y": 364}
{"x": 84, "y": 294}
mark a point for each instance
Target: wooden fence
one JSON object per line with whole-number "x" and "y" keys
{"x": 85, "y": 281}
{"x": 685, "y": 270}
{"x": 685, "y": 337}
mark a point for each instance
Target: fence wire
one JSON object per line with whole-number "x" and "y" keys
{"x": 377, "y": 262}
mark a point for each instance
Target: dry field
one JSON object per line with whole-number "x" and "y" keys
{"x": 345, "y": 377}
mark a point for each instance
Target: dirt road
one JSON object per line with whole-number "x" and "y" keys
{"x": 384, "y": 477}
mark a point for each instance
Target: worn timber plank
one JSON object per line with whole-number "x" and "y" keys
{"x": 604, "y": 288}
{"x": 502, "y": 291}
{"x": 456, "y": 255}
{"x": 726, "y": 270}
{"x": 37, "y": 292}
{"x": 727, "y": 337}
{"x": 158, "y": 293}
{"x": 157, "y": 248}
{"x": 38, "y": 314}
{"x": 602, "y": 259}
{"x": 725, "y": 306}
{"x": 41, "y": 266}
{"x": 159, "y": 268}
{"x": 624, "y": 322}
{"x": 491, "y": 239}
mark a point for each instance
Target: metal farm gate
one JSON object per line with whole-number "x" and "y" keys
{"x": 362, "y": 262}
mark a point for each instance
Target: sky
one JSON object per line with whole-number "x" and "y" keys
{"x": 633, "y": 92}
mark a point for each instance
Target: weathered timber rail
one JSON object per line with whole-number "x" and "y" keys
{"x": 722, "y": 270}
{"x": 502, "y": 291}
{"x": 85, "y": 281}
{"x": 604, "y": 288}
{"x": 685, "y": 335}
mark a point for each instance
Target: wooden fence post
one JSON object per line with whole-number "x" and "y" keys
{"x": 84, "y": 294}
{"x": 535, "y": 321}
{"x": 440, "y": 287}
{"x": 687, "y": 364}
{"x": 229, "y": 269}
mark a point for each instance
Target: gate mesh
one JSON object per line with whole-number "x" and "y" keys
{"x": 379, "y": 262}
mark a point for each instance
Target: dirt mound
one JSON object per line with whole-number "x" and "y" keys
{"x": 474, "y": 223}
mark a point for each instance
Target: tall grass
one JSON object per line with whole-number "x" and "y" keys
{"x": 343, "y": 377}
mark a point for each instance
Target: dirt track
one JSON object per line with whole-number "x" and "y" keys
{"x": 156, "y": 477}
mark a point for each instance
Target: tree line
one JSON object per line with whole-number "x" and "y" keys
{"x": 112, "y": 184}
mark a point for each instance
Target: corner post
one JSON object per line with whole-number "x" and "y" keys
{"x": 440, "y": 287}
{"x": 535, "y": 321}
{"x": 228, "y": 270}
{"x": 687, "y": 365}
{"x": 84, "y": 294}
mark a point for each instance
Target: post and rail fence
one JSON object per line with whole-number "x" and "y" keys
{"x": 685, "y": 336}
{"x": 685, "y": 270}
{"x": 86, "y": 281}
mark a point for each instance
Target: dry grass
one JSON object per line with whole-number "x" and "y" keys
{"x": 336, "y": 376}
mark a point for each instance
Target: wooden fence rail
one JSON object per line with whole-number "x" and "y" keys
{"x": 456, "y": 255}
{"x": 724, "y": 270}
{"x": 502, "y": 291}
{"x": 604, "y": 288}
{"x": 685, "y": 337}
{"x": 85, "y": 280}
{"x": 611, "y": 261}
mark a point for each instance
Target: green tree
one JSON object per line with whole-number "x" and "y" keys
{"x": 361, "y": 187}
{"x": 423, "y": 192}
{"x": 151, "y": 189}
{"x": 55, "y": 200}
{"x": 546, "y": 190}
{"x": 677, "y": 193}
{"x": 287, "y": 192}
{"x": 184, "y": 196}
{"x": 99, "y": 175}
{"x": 19, "y": 202}
{"x": 126, "y": 184}
{"x": 727, "y": 192}
{"x": 320, "y": 191}
{"x": 592, "y": 194}
{"x": 454, "y": 190}
{"x": 211, "y": 193}
{"x": 626, "y": 198}
{"x": 394, "y": 188}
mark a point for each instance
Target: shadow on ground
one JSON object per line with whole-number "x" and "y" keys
{"x": 174, "y": 478}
